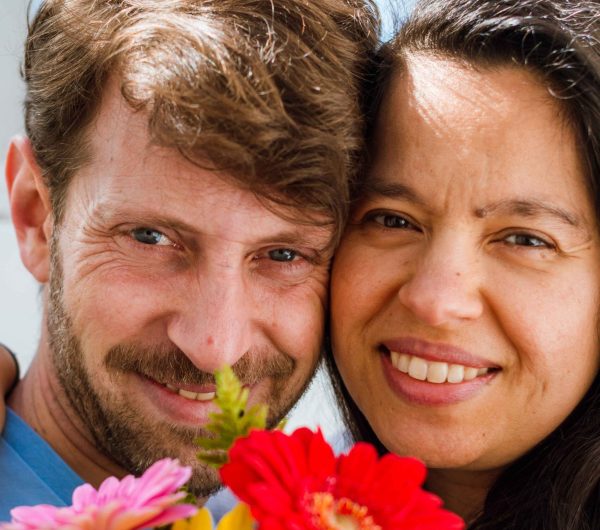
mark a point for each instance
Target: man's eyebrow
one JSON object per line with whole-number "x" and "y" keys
{"x": 392, "y": 190}
{"x": 143, "y": 218}
{"x": 321, "y": 238}
{"x": 299, "y": 237}
{"x": 530, "y": 208}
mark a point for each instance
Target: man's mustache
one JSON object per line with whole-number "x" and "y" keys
{"x": 171, "y": 365}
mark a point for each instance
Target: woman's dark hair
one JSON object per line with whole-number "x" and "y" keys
{"x": 556, "y": 485}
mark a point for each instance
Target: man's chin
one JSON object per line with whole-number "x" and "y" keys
{"x": 204, "y": 482}
{"x": 154, "y": 441}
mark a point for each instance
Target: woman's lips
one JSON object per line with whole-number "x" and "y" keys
{"x": 434, "y": 374}
{"x": 436, "y": 352}
{"x": 434, "y": 371}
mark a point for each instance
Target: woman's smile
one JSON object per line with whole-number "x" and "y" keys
{"x": 434, "y": 371}
{"x": 455, "y": 299}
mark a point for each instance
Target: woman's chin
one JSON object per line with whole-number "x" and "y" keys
{"x": 449, "y": 452}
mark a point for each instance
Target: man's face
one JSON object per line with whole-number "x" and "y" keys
{"x": 163, "y": 272}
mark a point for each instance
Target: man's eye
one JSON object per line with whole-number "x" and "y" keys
{"x": 392, "y": 221}
{"x": 283, "y": 254}
{"x": 149, "y": 236}
{"x": 527, "y": 240}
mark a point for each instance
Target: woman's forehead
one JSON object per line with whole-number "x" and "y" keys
{"x": 431, "y": 87}
{"x": 496, "y": 135}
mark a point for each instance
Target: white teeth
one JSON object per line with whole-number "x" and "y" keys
{"x": 417, "y": 368}
{"x": 187, "y": 394}
{"x": 196, "y": 396}
{"x": 205, "y": 396}
{"x": 437, "y": 372}
{"x": 434, "y": 372}
{"x": 404, "y": 363}
{"x": 470, "y": 373}
{"x": 456, "y": 373}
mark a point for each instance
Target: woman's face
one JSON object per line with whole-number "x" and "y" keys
{"x": 466, "y": 291}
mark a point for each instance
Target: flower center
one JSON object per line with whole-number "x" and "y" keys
{"x": 329, "y": 513}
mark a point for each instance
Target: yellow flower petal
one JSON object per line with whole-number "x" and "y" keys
{"x": 237, "y": 519}
{"x": 201, "y": 521}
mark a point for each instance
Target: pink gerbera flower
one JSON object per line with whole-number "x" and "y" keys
{"x": 128, "y": 504}
{"x": 295, "y": 482}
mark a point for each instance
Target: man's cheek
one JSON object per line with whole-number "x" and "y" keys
{"x": 105, "y": 312}
{"x": 300, "y": 317}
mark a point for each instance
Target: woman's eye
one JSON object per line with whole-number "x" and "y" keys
{"x": 149, "y": 236}
{"x": 392, "y": 221}
{"x": 283, "y": 254}
{"x": 527, "y": 240}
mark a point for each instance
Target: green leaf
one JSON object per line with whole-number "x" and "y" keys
{"x": 234, "y": 420}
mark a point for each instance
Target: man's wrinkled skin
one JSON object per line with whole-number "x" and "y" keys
{"x": 160, "y": 273}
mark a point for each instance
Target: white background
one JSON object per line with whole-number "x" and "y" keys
{"x": 19, "y": 298}
{"x": 19, "y": 315}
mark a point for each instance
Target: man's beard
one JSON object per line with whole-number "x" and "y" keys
{"x": 119, "y": 428}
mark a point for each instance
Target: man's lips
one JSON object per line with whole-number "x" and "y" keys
{"x": 193, "y": 392}
{"x": 181, "y": 406}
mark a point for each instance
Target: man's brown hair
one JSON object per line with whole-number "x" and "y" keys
{"x": 267, "y": 91}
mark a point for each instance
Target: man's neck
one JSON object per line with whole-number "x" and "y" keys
{"x": 40, "y": 401}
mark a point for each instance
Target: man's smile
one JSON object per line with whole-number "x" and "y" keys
{"x": 188, "y": 394}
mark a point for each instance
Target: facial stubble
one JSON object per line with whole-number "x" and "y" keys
{"x": 118, "y": 427}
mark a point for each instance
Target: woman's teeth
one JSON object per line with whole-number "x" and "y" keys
{"x": 434, "y": 372}
{"x": 196, "y": 396}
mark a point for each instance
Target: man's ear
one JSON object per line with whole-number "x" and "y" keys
{"x": 30, "y": 207}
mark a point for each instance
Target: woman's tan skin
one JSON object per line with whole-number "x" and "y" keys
{"x": 476, "y": 245}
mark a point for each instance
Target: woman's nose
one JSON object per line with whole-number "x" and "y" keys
{"x": 444, "y": 288}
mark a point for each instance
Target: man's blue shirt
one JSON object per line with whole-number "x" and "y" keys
{"x": 30, "y": 471}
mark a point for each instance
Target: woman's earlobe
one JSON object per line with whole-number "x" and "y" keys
{"x": 30, "y": 207}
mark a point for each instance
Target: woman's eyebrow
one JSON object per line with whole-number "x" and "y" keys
{"x": 530, "y": 208}
{"x": 515, "y": 206}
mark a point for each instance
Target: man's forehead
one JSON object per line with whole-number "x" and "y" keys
{"x": 117, "y": 129}
{"x": 129, "y": 177}
{"x": 212, "y": 226}
{"x": 177, "y": 195}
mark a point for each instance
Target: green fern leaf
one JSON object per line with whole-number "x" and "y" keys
{"x": 234, "y": 419}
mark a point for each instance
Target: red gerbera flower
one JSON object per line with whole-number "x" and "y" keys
{"x": 295, "y": 482}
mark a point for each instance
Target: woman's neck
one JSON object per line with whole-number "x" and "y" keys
{"x": 463, "y": 492}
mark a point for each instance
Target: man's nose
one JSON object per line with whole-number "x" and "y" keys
{"x": 445, "y": 287}
{"x": 214, "y": 325}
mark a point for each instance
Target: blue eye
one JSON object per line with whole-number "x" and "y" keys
{"x": 149, "y": 236}
{"x": 283, "y": 254}
{"x": 527, "y": 240}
